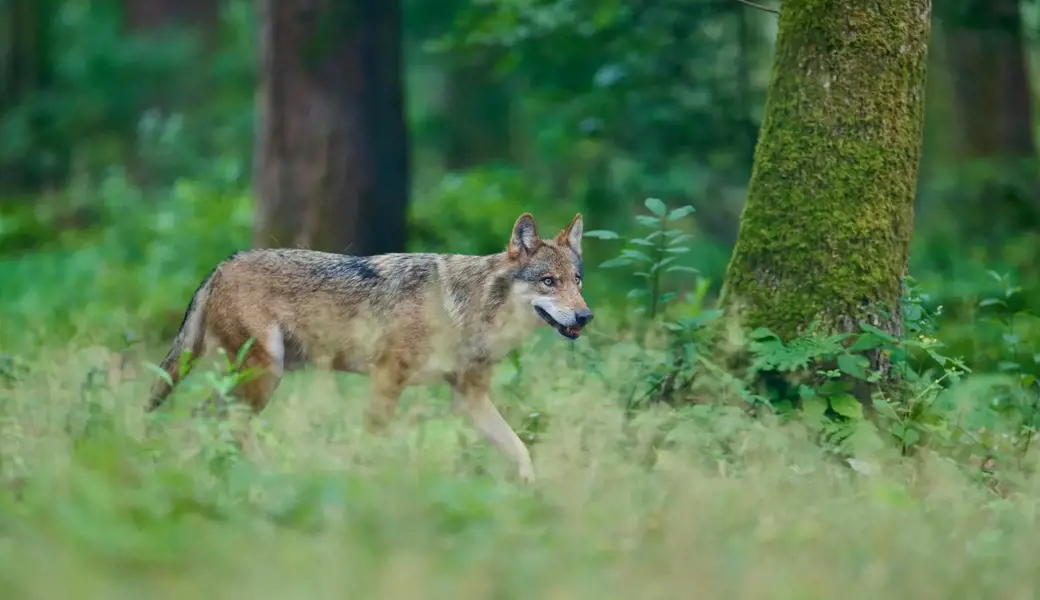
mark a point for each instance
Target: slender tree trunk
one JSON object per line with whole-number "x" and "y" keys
{"x": 332, "y": 158}
{"x": 993, "y": 107}
{"x": 825, "y": 232}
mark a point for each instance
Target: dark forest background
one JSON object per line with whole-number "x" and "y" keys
{"x": 135, "y": 123}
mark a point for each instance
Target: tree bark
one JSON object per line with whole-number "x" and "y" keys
{"x": 332, "y": 164}
{"x": 993, "y": 106}
{"x": 825, "y": 232}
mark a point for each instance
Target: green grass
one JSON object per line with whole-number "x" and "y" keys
{"x": 726, "y": 507}
{"x": 98, "y": 501}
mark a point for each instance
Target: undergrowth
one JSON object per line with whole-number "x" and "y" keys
{"x": 661, "y": 473}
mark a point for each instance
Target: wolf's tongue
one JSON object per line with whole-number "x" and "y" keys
{"x": 573, "y": 330}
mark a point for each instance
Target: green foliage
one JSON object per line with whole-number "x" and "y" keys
{"x": 922, "y": 398}
{"x": 131, "y": 272}
{"x": 105, "y": 95}
{"x": 661, "y": 250}
{"x": 473, "y": 212}
{"x": 656, "y": 452}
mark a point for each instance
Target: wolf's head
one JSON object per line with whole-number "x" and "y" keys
{"x": 549, "y": 274}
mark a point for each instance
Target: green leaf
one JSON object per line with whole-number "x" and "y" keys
{"x": 161, "y": 373}
{"x": 648, "y": 221}
{"x": 602, "y": 234}
{"x": 814, "y": 407}
{"x": 884, "y": 408}
{"x": 878, "y": 332}
{"x": 637, "y": 293}
{"x": 990, "y": 302}
{"x": 661, "y": 263}
{"x": 847, "y": 406}
{"x": 939, "y": 358}
{"x": 620, "y": 261}
{"x": 914, "y": 313}
{"x": 241, "y": 356}
{"x": 853, "y": 364}
{"x": 678, "y": 250}
{"x": 642, "y": 242}
{"x": 636, "y": 254}
{"x": 702, "y": 318}
{"x": 867, "y": 341}
{"x": 680, "y": 212}
{"x": 763, "y": 333}
{"x": 681, "y": 268}
{"x": 655, "y": 206}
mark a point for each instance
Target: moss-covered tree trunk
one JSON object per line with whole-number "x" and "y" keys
{"x": 825, "y": 232}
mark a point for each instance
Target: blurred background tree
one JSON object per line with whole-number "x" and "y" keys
{"x": 332, "y": 156}
{"x": 130, "y": 128}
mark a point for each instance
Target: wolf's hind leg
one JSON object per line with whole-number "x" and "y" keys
{"x": 265, "y": 359}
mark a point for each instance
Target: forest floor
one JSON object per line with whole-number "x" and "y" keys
{"x": 729, "y": 507}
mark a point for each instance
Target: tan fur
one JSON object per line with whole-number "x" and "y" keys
{"x": 401, "y": 319}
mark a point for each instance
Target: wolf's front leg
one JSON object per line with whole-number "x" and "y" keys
{"x": 387, "y": 378}
{"x": 470, "y": 397}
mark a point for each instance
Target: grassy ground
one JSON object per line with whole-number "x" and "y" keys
{"x": 706, "y": 503}
{"x": 93, "y": 507}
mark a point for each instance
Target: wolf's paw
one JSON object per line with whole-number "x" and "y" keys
{"x": 527, "y": 474}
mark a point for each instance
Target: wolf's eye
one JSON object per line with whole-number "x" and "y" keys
{"x": 549, "y": 281}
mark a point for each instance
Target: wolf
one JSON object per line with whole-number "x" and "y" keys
{"x": 400, "y": 319}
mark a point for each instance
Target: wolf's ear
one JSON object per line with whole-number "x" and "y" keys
{"x": 525, "y": 237}
{"x": 571, "y": 236}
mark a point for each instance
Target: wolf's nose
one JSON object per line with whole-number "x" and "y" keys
{"x": 583, "y": 317}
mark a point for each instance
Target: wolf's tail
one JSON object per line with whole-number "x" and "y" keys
{"x": 190, "y": 337}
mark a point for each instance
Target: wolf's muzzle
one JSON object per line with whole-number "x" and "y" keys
{"x": 583, "y": 317}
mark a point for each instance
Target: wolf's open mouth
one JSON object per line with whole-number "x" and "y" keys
{"x": 571, "y": 332}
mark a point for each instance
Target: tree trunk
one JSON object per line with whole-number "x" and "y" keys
{"x": 26, "y": 69}
{"x": 825, "y": 232}
{"x": 332, "y": 159}
{"x": 986, "y": 58}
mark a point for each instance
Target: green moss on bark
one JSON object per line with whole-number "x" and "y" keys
{"x": 825, "y": 233}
